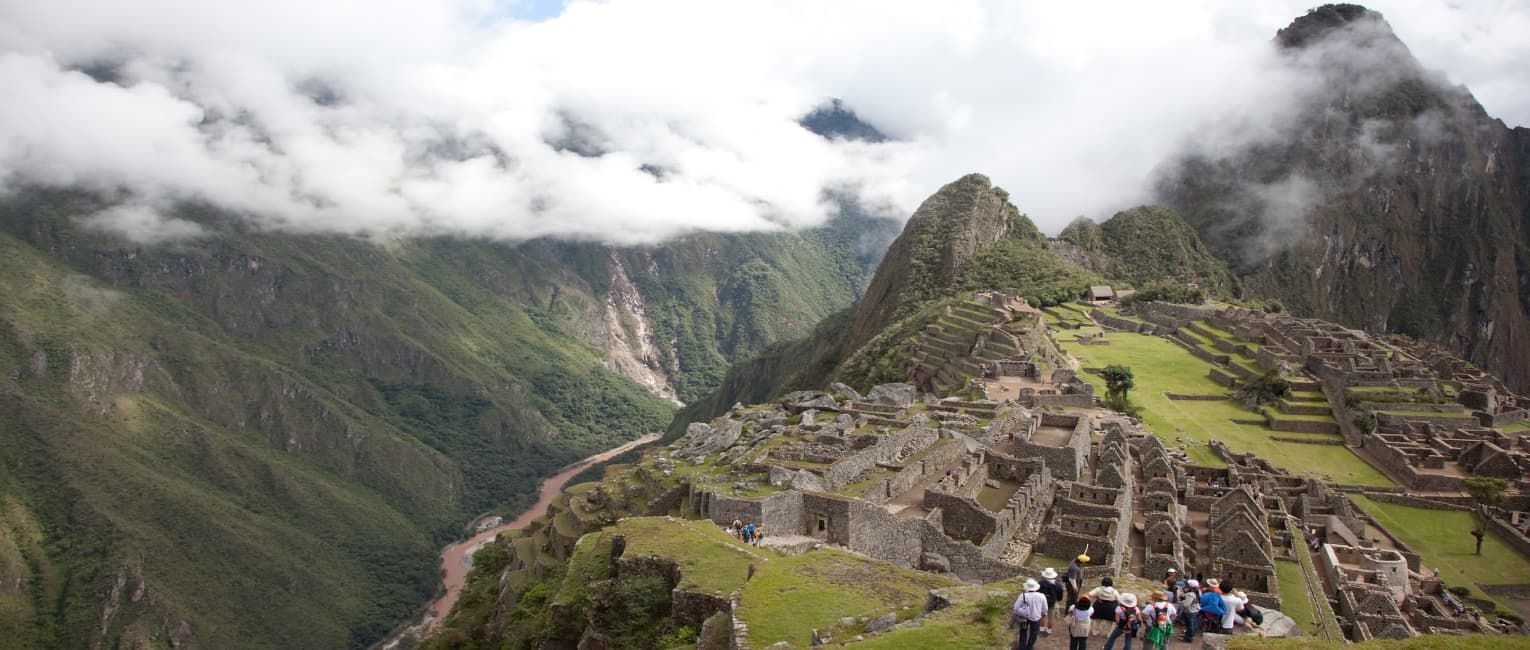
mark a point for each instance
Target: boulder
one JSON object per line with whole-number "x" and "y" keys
{"x": 802, "y": 400}
{"x": 845, "y": 390}
{"x": 703, "y": 439}
{"x": 899, "y": 395}
{"x": 935, "y": 562}
{"x": 780, "y": 476}
{"x": 1277, "y": 624}
{"x": 882, "y": 623}
{"x": 805, "y": 480}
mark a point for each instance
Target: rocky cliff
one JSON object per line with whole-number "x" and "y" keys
{"x": 1144, "y": 245}
{"x": 1389, "y": 200}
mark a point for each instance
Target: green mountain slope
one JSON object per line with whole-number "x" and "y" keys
{"x": 262, "y": 440}
{"x": 1143, "y": 245}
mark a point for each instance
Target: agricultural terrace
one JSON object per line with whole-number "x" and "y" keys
{"x": 1443, "y": 541}
{"x": 1160, "y": 366}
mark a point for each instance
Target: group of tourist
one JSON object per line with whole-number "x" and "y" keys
{"x": 1189, "y": 605}
{"x": 746, "y": 531}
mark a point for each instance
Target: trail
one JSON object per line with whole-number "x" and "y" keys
{"x": 457, "y": 559}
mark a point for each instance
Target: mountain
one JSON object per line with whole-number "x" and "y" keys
{"x": 1144, "y": 245}
{"x": 1389, "y": 201}
{"x": 965, "y": 236}
{"x": 261, "y": 439}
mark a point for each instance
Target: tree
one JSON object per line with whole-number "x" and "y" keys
{"x": 1264, "y": 389}
{"x": 1118, "y": 380}
{"x": 1487, "y": 492}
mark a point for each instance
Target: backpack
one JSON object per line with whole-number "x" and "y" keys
{"x": 1161, "y": 626}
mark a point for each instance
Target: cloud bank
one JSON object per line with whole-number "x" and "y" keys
{"x": 633, "y": 121}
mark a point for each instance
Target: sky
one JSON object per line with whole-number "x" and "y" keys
{"x": 634, "y": 121}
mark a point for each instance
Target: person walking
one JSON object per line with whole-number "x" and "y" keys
{"x": 1078, "y": 616}
{"x": 1104, "y": 599}
{"x": 1190, "y": 608}
{"x": 1127, "y": 621}
{"x": 1030, "y": 615}
{"x": 1052, "y": 588}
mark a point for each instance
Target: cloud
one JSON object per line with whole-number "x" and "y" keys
{"x": 629, "y": 121}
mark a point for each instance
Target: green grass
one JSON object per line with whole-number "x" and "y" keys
{"x": 981, "y": 624}
{"x": 1442, "y": 540}
{"x": 1295, "y": 600}
{"x": 1277, "y": 414}
{"x": 709, "y": 560}
{"x": 1522, "y": 425}
{"x": 791, "y": 596}
{"x": 1160, "y": 366}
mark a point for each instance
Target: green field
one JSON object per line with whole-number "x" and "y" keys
{"x": 789, "y": 597}
{"x": 1443, "y": 540}
{"x": 1160, "y": 366}
{"x": 1295, "y": 601}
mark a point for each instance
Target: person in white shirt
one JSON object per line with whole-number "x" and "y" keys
{"x": 1231, "y": 619}
{"x": 1030, "y": 614}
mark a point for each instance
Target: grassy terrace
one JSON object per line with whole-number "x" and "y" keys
{"x": 709, "y": 560}
{"x": 1443, "y": 540}
{"x": 1162, "y": 366}
{"x": 790, "y": 596}
{"x": 1295, "y": 600}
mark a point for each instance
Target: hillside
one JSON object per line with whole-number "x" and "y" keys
{"x": 1390, "y": 201}
{"x": 1145, "y": 245}
{"x": 325, "y": 412}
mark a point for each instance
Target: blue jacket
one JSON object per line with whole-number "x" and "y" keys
{"x": 1212, "y": 603}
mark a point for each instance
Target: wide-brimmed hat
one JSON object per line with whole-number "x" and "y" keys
{"x": 1032, "y": 585}
{"x": 1173, "y": 570}
{"x": 1193, "y": 584}
{"x": 1241, "y": 595}
{"x": 1082, "y": 558}
{"x": 1129, "y": 600}
{"x": 1159, "y": 595}
{"x": 1049, "y": 573}
{"x": 1213, "y": 582}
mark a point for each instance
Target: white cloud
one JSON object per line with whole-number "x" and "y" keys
{"x": 406, "y": 117}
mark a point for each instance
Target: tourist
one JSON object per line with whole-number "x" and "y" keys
{"x": 1172, "y": 582}
{"x": 1104, "y": 599}
{"x": 1159, "y": 619}
{"x": 1073, "y": 579}
{"x": 1251, "y": 614}
{"x": 1052, "y": 588}
{"x": 1079, "y": 614}
{"x": 1126, "y": 621}
{"x": 748, "y": 532}
{"x": 1212, "y": 607}
{"x": 1190, "y": 608}
{"x": 737, "y": 529}
{"x": 1030, "y": 615}
{"x": 759, "y": 534}
{"x": 1231, "y": 603}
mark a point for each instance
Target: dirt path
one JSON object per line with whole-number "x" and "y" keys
{"x": 457, "y": 559}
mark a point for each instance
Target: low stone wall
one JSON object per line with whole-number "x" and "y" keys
{"x": 961, "y": 517}
{"x": 1512, "y": 537}
{"x": 885, "y": 449}
{"x": 1339, "y": 442}
{"x": 1118, "y": 323}
{"x": 1302, "y": 426}
{"x": 1417, "y": 502}
{"x": 1181, "y": 397}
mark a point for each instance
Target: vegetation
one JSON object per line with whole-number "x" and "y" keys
{"x": 1267, "y": 388}
{"x": 1169, "y": 368}
{"x": 789, "y": 597}
{"x": 1487, "y": 492}
{"x": 1436, "y": 536}
{"x": 1154, "y": 249}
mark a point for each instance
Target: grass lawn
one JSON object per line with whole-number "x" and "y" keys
{"x": 1160, "y": 366}
{"x": 1295, "y": 600}
{"x": 791, "y": 596}
{"x": 1522, "y": 425}
{"x": 982, "y": 624}
{"x": 709, "y": 560}
{"x": 1443, "y": 540}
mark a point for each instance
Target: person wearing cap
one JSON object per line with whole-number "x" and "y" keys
{"x": 1212, "y": 607}
{"x": 1158, "y": 618}
{"x": 1172, "y": 582}
{"x": 1052, "y": 588}
{"x": 1127, "y": 620}
{"x": 1030, "y": 614}
{"x": 1251, "y": 615}
{"x": 1190, "y": 608}
{"x": 1073, "y": 579}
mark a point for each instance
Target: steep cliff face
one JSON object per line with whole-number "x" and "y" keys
{"x": 937, "y": 245}
{"x": 1390, "y": 201}
{"x": 324, "y": 412}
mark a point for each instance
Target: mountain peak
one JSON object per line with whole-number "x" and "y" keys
{"x": 1322, "y": 21}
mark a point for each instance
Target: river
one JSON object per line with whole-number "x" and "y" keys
{"x": 457, "y": 559}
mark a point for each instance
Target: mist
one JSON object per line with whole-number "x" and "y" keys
{"x": 632, "y": 122}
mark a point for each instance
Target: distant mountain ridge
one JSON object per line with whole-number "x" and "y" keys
{"x": 1393, "y": 203}
{"x": 262, "y": 440}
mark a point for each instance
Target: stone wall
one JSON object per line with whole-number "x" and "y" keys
{"x": 886, "y": 449}
{"x": 962, "y": 517}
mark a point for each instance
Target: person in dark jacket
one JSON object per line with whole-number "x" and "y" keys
{"x": 1052, "y": 588}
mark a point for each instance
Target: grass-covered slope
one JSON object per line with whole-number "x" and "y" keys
{"x": 264, "y": 438}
